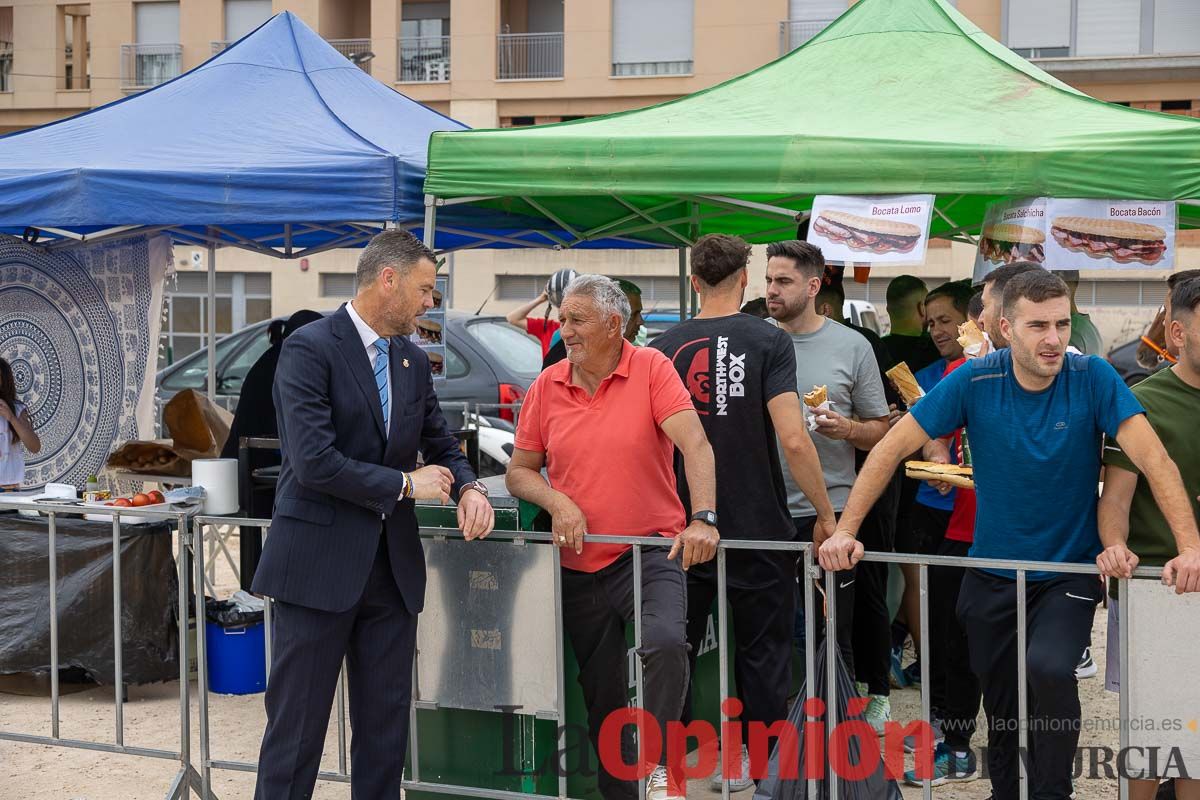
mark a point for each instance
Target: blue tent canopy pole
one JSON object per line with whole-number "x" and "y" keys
{"x": 212, "y": 322}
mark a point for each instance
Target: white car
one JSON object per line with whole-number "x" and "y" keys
{"x": 862, "y": 314}
{"x": 495, "y": 446}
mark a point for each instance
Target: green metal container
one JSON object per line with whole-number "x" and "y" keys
{"x": 515, "y": 752}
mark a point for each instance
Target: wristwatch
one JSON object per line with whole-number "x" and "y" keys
{"x": 707, "y": 517}
{"x": 476, "y": 485}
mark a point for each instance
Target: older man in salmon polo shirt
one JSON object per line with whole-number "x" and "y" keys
{"x": 605, "y": 422}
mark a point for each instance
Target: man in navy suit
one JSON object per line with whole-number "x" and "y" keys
{"x": 343, "y": 560}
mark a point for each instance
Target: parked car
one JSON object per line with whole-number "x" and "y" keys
{"x": 658, "y": 320}
{"x": 862, "y": 314}
{"x": 1124, "y": 361}
{"x": 489, "y": 364}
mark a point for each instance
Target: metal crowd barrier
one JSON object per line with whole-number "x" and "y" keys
{"x": 811, "y": 570}
{"x": 186, "y": 778}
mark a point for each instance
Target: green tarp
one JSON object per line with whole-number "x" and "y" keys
{"x": 895, "y": 97}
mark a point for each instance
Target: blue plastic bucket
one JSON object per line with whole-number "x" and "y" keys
{"x": 236, "y": 659}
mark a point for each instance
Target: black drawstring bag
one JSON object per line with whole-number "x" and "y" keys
{"x": 875, "y": 786}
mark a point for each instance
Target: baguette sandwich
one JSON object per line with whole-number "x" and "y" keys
{"x": 953, "y": 474}
{"x": 905, "y": 383}
{"x": 1119, "y": 240}
{"x": 1005, "y": 243}
{"x": 867, "y": 234}
{"x": 969, "y": 335}
{"x": 816, "y": 397}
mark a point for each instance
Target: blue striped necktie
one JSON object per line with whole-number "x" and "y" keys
{"x": 381, "y": 376}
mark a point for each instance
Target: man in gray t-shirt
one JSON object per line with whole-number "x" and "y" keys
{"x": 827, "y": 354}
{"x": 840, "y": 359}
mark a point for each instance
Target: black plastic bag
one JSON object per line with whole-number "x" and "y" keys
{"x": 226, "y": 614}
{"x": 150, "y": 638}
{"x": 875, "y": 786}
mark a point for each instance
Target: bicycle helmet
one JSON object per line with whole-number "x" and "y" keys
{"x": 557, "y": 285}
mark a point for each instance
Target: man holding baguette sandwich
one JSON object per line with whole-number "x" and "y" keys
{"x": 1036, "y": 458}
{"x": 854, "y": 411}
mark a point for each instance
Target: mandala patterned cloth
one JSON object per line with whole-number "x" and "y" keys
{"x": 80, "y": 329}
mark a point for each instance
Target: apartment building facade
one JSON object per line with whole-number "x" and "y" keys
{"x": 492, "y": 63}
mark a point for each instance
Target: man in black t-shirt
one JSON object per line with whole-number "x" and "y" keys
{"x": 909, "y": 340}
{"x": 741, "y": 373}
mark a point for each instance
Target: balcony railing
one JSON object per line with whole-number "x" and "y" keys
{"x": 630, "y": 69}
{"x": 358, "y": 51}
{"x": 424, "y": 59}
{"x": 6, "y": 61}
{"x": 529, "y": 56}
{"x": 795, "y": 32}
{"x": 146, "y": 65}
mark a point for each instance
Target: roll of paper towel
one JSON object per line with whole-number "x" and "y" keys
{"x": 219, "y": 477}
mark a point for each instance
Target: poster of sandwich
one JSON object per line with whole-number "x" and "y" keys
{"x": 1110, "y": 234}
{"x": 431, "y": 330}
{"x": 1012, "y": 231}
{"x": 883, "y": 229}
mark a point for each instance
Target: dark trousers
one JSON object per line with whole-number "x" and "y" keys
{"x": 377, "y": 637}
{"x": 845, "y": 588}
{"x": 1059, "y": 617}
{"x": 250, "y": 545}
{"x": 596, "y": 608}
{"x": 763, "y": 610}
{"x": 871, "y": 634}
{"x": 948, "y": 650}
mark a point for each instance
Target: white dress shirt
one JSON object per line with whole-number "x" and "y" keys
{"x": 369, "y": 337}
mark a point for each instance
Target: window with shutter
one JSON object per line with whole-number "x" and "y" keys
{"x": 1038, "y": 28}
{"x": 652, "y": 37}
{"x": 243, "y": 16}
{"x": 338, "y": 284}
{"x": 1108, "y": 28}
{"x": 1176, "y": 26}
{"x": 157, "y": 23}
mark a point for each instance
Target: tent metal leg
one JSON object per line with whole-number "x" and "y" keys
{"x": 212, "y": 322}
{"x": 683, "y": 281}
{"x": 430, "y": 220}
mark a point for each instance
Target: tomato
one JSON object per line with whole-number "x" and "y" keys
{"x": 123, "y": 502}
{"x": 156, "y": 496}
{"x": 140, "y": 499}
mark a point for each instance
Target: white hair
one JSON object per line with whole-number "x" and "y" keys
{"x": 604, "y": 292}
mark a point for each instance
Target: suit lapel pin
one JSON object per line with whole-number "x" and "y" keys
{"x": 405, "y": 362}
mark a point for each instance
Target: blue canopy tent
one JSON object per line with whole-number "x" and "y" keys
{"x": 278, "y": 144}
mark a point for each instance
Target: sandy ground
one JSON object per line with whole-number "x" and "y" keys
{"x": 35, "y": 772}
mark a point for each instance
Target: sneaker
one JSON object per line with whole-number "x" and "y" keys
{"x": 861, "y": 688}
{"x": 1087, "y": 667}
{"x": 910, "y": 742}
{"x": 657, "y": 787}
{"x": 735, "y": 784}
{"x": 912, "y": 673}
{"x": 896, "y": 675}
{"x": 878, "y": 713}
{"x": 947, "y": 768}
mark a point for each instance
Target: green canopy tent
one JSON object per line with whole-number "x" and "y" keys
{"x": 895, "y": 97}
